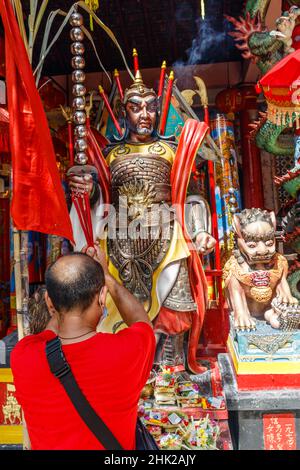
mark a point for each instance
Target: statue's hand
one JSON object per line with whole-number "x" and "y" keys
{"x": 205, "y": 243}
{"x": 81, "y": 184}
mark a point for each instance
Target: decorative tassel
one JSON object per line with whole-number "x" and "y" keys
{"x": 93, "y": 5}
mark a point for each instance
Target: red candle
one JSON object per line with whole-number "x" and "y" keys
{"x": 162, "y": 79}
{"x": 110, "y": 111}
{"x": 135, "y": 61}
{"x": 88, "y": 122}
{"x": 71, "y": 146}
{"x": 167, "y": 103}
{"x": 206, "y": 115}
{"x": 117, "y": 78}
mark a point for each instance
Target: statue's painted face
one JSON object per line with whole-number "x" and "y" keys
{"x": 258, "y": 242}
{"x": 141, "y": 114}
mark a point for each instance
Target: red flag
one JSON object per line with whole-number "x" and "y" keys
{"x": 38, "y": 201}
{"x": 4, "y": 130}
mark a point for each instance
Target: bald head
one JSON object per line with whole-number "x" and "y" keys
{"x": 73, "y": 281}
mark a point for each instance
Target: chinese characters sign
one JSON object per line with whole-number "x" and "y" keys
{"x": 279, "y": 432}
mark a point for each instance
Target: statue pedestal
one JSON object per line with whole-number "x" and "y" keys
{"x": 265, "y": 358}
{"x": 261, "y": 382}
{"x": 265, "y": 419}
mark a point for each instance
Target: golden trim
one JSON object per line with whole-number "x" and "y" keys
{"x": 282, "y": 104}
{"x": 11, "y": 434}
{"x": 261, "y": 368}
{"x": 278, "y": 91}
{"x": 129, "y": 149}
{"x": 6, "y": 375}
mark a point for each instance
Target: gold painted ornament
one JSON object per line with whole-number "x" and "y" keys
{"x": 261, "y": 294}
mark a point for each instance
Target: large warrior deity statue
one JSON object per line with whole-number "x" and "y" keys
{"x": 142, "y": 235}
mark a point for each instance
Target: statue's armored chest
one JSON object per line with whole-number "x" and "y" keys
{"x": 140, "y": 181}
{"x": 143, "y": 174}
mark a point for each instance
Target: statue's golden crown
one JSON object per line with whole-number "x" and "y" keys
{"x": 138, "y": 88}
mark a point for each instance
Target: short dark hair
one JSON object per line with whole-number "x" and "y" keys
{"x": 73, "y": 281}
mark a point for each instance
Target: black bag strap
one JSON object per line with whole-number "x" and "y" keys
{"x": 61, "y": 369}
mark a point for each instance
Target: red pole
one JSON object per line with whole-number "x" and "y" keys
{"x": 167, "y": 103}
{"x": 162, "y": 79}
{"x": 110, "y": 111}
{"x": 135, "y": 61}
{"x": 253, "y": 193}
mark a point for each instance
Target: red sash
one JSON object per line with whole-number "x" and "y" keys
{"x": 190, "y": 140}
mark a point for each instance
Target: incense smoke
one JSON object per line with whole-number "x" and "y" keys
{"x": 208, "y": 46}
{"x": 205, "y": 46}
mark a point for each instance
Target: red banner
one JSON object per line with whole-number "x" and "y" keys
{"x": 38, "y": 200}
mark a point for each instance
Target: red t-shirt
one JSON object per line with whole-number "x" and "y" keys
{"x": 111, "y": 371}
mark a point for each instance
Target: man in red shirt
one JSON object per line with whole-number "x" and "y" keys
{"x": 111, "y": 370}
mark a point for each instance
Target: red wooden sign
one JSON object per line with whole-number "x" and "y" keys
{"x": 279, "y": 432}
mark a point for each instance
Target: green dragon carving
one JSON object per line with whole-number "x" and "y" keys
{"x": 266, "y": 135}
{"x": 266, "y": 48}
{"x": 263, "y": 47}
